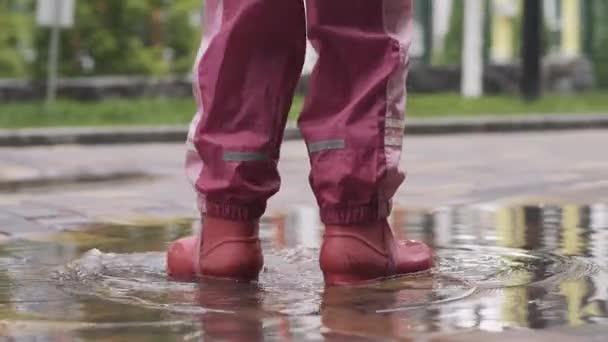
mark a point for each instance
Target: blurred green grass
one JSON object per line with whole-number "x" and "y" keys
{"x": 176, "y": 111}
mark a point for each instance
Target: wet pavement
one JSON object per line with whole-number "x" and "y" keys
{"x": 519, "y": 222}
{"x": 126, "y": 183}
{"x": 499, "y": 270}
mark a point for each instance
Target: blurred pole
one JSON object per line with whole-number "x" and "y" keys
{"x": 426, "y": 10}
{"x": 51, "y": 89}
{"x": 472, "y": 49}
{"x": 531, "y": 73}
{"x": 589, "y": 27}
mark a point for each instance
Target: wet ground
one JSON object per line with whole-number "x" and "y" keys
{"x": 534, "y": 268}
{"x": 520, "y": 223}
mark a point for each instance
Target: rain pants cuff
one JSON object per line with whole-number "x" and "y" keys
{"x": 350, "y": 215}
{"x": 233, "y": 211}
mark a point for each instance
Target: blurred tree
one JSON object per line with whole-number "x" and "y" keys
{"x": 452, "y": 53}
{"x": 184, "y": 32}
{"x": 15, "y": 37}
{"x": 154, "y": 37}
{"x": 599, "y": 46}
{"x": 158, "y": 37}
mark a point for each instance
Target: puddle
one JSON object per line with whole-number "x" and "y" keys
{"x": 497, "y": 269}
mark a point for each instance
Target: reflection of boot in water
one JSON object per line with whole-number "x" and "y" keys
{"x": 351, "y": 312}
{"x": 359, "y": 253}
{"x": 235, "y": 311}
{"x": 228, "y": 250}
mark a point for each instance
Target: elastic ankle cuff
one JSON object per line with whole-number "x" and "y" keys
{"x": 237, "y": 212}
{"x": 334, "y": 215}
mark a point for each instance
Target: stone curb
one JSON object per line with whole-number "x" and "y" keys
{"x": 72, "y": 178}
{"x": 91, "y": 135}
{"x": 166, "y": 134}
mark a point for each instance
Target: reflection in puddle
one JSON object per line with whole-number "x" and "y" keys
{"x": 498, "y": 268}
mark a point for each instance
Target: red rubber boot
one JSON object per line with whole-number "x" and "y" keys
{"x": 228, "y": 250}
{"x": 361, "y": 253}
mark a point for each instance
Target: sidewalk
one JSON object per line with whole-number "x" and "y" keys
{"x": 67, "y": 187}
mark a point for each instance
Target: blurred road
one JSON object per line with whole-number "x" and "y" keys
{"x": 63, "y": 187}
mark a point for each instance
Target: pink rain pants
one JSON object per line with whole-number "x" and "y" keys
{"x": 353, "y": 117}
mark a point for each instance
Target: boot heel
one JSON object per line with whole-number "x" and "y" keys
{"x": 348, "y": 260}
{"x": 240, "y": 260}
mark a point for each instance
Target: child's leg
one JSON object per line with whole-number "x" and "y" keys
{"x": 244, "y": 83}
{"x": 353, "y": 124}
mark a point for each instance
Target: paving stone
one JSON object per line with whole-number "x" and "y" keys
{"x": 13, "y": 224}
{"x": 13, "y": 172}
{"x": 65, "y": 222}
{"x": 30, "y": 211}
